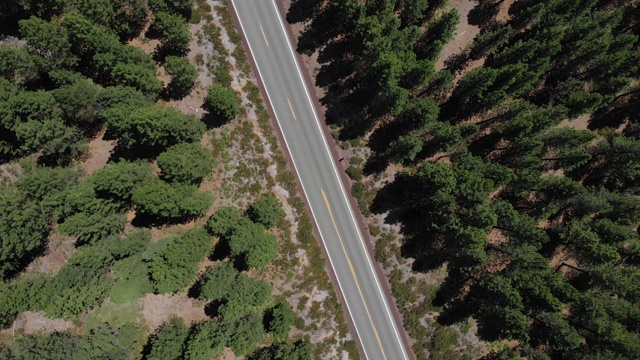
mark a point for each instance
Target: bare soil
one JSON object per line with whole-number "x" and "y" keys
{"x": 464, "y": 34}
{"x": 157, "y": 309}
{"x": 98, "y": 154}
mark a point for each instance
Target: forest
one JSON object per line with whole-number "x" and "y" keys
{"x": 144, "y": 224}
{"x": 517, "y": 163}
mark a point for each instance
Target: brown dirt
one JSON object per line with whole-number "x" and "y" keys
{"x": 58, "y": 251}
{"x": 579, "y": 123}
{"x": 30, "y": 322}
{"x": 465, "y": 33}
{"x": 157, "y": 309}
{"x": 98, "y": 154}
{"x": 503, "y": 14}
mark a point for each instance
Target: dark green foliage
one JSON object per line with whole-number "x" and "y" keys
{"x": 137, "y": 77}
{"x": 154, "y": 127}
{"x": 185, "y": 163}
{"x": 173, "y": 261}
{"x": 182, "y": 7}
{"x": 133, "y": 243}
{"x": 124, "y": 17}
{"x": 221, "y": 102}
{"x": 46, "y": 346}
{"x": 119, "y": 180}
{"x": 280, "y": 317}
{"x": 167, "y": 343}
{"x": 240, "y": 292}
{"x": 110, "y": 342}
{"x": 183, "y": 76}
{"x": 91, "y": 227}
{"x": 78, "y": 103}
{"x": 174, "y": 34}
{"x": 299, "y": 350}
{"x": 49, "y": 41}
{"x": 266, "y": 211}
{"x": 23, "y": 230}
{"x": 114, "y": 96}
{"x": 224, "y": 221}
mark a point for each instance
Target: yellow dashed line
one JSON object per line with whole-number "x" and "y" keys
{"x": 264, "y": 36}
{"x": 353, "y": 273}
{"x": 291, "y": 107}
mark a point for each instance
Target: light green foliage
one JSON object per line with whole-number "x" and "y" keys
{"x": 133, "y": 243}
{"x": 168, "y": 341}
{"x": 257, "y": 246}
{"x": 266, "y": 211}
{"x": 183, "y": 76}
{"x": 221, "y": 102}
{"x": 165, "y": 202}
{"x": 224, "y": 221}
{"x": 281, "y": 317}
{"x": 185, "y": 163}
{"x": 82, "y": 283}
{"x": 174, "y": 34}
{"x": 155, "y": 127}
{"x": 131, "y": 280}
{"x": 173, "y": 261}
{"x": 206, "y": 340}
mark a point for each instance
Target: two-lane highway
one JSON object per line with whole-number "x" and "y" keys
{"x": 289, "y": 97}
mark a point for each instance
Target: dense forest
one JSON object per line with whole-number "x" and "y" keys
{"x": 533, "y": 216}
{"x": 67, "y": 76}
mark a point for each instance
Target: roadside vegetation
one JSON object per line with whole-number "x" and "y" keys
{"x": 500, "y": 182}
{"x": 146, "y": 209}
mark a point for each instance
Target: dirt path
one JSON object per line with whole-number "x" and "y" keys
{"x": 464, "y": 33}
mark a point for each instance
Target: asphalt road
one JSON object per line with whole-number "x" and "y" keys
{"x": 271, "y": 50}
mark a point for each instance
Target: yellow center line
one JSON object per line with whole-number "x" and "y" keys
{"x": 264, "y": 36}
{"x": 291, "y": 107}
{"x": 353, "y": 273}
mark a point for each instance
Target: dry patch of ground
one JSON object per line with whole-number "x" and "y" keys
{"x": 157, "y": 309}
{"x": 464, "y": 34}
{"x": 98, "y": 154}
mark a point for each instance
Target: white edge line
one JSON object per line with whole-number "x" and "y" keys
{"x": 304, "y": 191}
{"x": 335, "y": 170}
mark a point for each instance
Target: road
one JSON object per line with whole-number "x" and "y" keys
{"x": 271, "y": 49}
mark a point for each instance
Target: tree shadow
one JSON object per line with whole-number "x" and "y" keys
{"x": 212, "y": 309}
{"x": 221, "y": 251}
{"x": 303, "y": 10}
{"x": 213, "y": 121}
{"x": 484, "y": 13}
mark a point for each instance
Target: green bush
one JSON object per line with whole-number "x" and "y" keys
{"x": 266, "y": 211}
{"x": 354, "y": 173}
{"x": 221, "y": 102}
{"x": 173, "y": 261}
{"x": 185, "y": 163}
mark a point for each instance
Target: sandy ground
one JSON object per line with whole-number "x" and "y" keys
{"x": 465, "y": 33}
